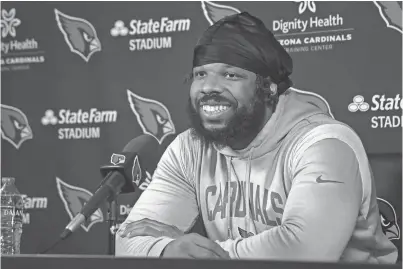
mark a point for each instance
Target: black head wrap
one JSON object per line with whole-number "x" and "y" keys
{"x": 242, "y": 40}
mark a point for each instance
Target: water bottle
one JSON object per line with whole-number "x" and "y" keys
{"x": 12, "y": 205}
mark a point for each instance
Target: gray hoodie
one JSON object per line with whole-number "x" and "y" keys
{"x": 302, "y": 190}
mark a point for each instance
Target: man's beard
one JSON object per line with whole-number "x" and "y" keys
{"x": 244, "y": 123}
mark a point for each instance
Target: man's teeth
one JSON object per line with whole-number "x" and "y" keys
{"x": 215, "y": 109}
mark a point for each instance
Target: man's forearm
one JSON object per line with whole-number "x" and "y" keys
{"x": 279, "y": 243}
{"x": 141, "y": 246}
{"x": 169, "y": 199}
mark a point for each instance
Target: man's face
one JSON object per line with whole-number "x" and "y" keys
{"x": 224, "y": 103}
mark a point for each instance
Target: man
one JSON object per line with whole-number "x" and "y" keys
{"x": 270, "y": 172}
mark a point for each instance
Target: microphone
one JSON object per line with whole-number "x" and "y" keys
{"x": 123, "y": 176}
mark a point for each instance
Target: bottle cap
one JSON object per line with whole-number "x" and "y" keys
{"x": 8, "y": 180}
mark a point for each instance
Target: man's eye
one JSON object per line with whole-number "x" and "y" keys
{"x": 231, "y": 75}
{"x": 199, "y": 74}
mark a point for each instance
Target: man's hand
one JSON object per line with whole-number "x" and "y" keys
{"x": 147, "y": 227}
{"x": 194, "y": 246}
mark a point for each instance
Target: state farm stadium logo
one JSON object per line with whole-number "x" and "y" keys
{"x": 309, "y": 32}
{"x": 151, "y": 34}
{"x": 388, "y": 110}
{"x": 79, "y": 124}
{"x": 18, "y": 51}
{"x": 358, "y": 104}
{"x": 32, "y": 204}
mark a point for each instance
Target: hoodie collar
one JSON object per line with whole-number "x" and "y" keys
{"x": 293, "y": 107}
{"x": 264, "y": 135}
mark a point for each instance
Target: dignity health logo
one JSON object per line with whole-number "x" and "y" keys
{"x": 17, "y": 53}
{"x": 8, "y": 23}
{"x": 380, "y": 104}
{"x": 306, "y": 5}
{"x": 311, "y": 33}
{"x": 314, "y": 33}
{"x": 298, "y": 33}
{"x": 158, "y": 32}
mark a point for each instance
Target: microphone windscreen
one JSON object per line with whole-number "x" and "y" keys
{"x": 140, "y": 143}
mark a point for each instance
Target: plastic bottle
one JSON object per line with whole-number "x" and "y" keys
{"x": 12, "y": 206}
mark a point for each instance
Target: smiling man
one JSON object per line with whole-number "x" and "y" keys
{"x": 266, "y": 167}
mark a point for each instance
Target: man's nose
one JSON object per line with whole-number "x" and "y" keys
{"x": 211, "y": 84}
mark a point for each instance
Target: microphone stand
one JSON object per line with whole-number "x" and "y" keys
{"x": 112, "y": 216}
{"x": 112, "y": 219}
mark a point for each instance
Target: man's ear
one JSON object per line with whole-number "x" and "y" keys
{"x": 270, "y": 89}
{"x": 273, "y": 88}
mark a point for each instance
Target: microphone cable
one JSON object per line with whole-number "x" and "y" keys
{"x": 52, "y": 246}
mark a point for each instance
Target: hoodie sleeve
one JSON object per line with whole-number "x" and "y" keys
{"x": 321, "y": 210}
{"x": 170, "y": 198}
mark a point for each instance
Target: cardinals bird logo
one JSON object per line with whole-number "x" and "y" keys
{"x": 390, "y": 227}
{"x": 136, "y": 171}
{"x": 137, "y": 175}
{"x": 215, "y": 12}
{"x": 74, "y": 199}
{"x": 153, "y": 116}
{"x": 14, "y": 126}
{"x": 391, "y": 13}
{"x": 244, "y": 234}
{"x": 79, "y": 35}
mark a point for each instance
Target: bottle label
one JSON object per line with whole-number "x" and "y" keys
{"x": 12, "y": 208}
{"x": 13, "y": 212}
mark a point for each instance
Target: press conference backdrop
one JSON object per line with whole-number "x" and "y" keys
{"x": 81, "y": 79}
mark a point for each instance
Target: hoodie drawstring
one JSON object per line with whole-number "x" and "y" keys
{"x": 247, "y": 180}
{"x": 247, "y": 202}
{"x": 229, "y": 223}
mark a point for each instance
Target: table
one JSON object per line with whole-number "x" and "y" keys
{"x": 111, "y": 262}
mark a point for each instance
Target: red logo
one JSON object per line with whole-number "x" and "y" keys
{"x": 390, "y": 227}
{"x": 391, "y": 13}
{"x": 152, "y": 116}
{"x": 215, "y": 12}
{"x": 74, "y": 199}
{"x": 79, "y": 34}
{"x": 14, "y": 126}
